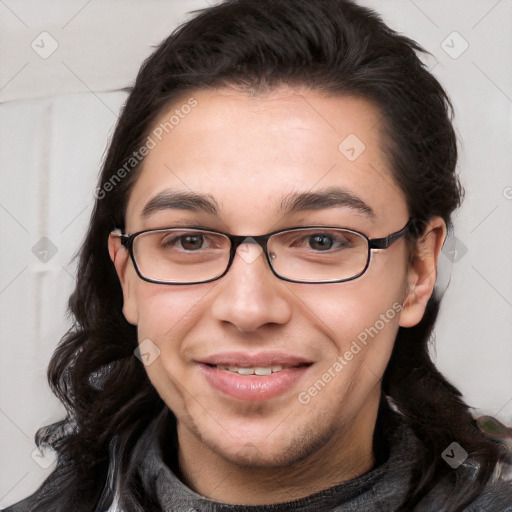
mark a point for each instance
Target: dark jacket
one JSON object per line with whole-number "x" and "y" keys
{"x": 381, "y": 489}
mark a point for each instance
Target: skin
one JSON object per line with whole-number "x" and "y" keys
{"x": 248, "y": 152}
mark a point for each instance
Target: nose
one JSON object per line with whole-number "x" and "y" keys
{"x": 249, "y": 296}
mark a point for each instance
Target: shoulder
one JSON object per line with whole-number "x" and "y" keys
{"x": 496, "y": 497}
{"x": 22, "y": 506}
{"x": 27, "y": 505}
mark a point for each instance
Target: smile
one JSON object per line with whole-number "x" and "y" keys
{"x": 255, "y": 370}
{"x": 253, "y": 378}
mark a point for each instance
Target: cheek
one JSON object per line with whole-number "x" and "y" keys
{"x": 360, "y": 320}
{"x": 165, "y": 311}
{"x": 359, "y": 331}
{"x": 350, "y": 309}
{"x": 165, "y": 316}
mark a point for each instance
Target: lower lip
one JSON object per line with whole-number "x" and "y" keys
{"x": 252, "y": 387}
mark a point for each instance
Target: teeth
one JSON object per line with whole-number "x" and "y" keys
{"x": 246, "y": 371}
{"x": 255, "y": 370}
{"x": 263, "y": 370}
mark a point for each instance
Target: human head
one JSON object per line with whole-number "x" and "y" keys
{"x": 331, "y": 47}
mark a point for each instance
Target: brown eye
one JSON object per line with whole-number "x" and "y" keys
{"x": 191, "y": 242}
{"x": 321, "y": 242}
{"x": 187, "y": 242}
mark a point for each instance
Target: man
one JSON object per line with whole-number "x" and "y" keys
{"x": 280, "y": 182}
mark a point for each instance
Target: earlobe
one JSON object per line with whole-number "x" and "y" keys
{"x": 422, "y": 272}
{"x": 120, "y": 258}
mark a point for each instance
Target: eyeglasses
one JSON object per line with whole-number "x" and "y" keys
{"x": 309, "y": 254}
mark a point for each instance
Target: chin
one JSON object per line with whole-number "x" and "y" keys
{"x": 267, "y": 444}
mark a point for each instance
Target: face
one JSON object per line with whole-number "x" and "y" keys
{"x": 333, "y": 341}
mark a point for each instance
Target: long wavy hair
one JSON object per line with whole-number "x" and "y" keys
{"x": 333, "y": 46}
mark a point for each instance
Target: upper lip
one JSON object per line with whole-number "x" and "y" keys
{"x": 260, "y": 359}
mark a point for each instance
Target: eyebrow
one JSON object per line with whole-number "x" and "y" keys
{"x": 180, "y": 200}
{"x": 333, "y": 197}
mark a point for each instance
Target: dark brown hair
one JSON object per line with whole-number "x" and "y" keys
{"x": 333, "y": 46}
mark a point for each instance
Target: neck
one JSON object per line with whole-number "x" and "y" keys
{"x": 347, "y": 454}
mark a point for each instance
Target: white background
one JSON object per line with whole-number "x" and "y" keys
{"x": 57, "y": 113}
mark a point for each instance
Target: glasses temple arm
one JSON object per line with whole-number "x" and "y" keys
{"x": 384, "y": 243}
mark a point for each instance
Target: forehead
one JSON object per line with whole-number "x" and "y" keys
{"x": 249, "y": 152}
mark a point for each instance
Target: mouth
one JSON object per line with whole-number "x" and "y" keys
{"x": 253, "y": 377}
{"x": 256, "y": 370}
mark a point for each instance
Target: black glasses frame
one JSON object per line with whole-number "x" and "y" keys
{"x": 127, "y": 242}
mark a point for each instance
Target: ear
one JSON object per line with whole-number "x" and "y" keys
{"x": 422, "y": 272}
{"x": 120, "y": 256}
